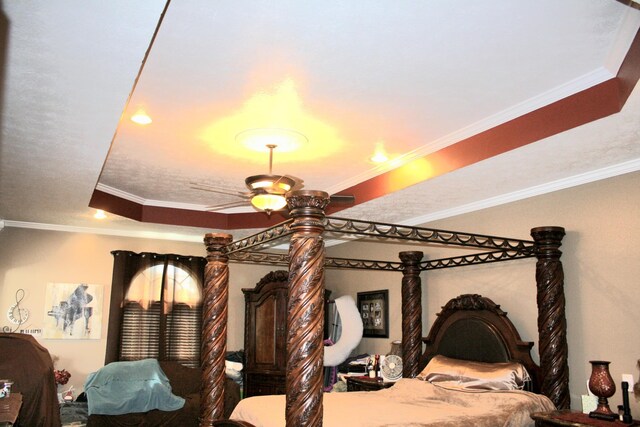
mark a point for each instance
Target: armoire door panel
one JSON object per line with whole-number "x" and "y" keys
{"x": 266, "y": 331}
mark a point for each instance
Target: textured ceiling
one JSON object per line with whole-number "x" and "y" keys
{"x": 416, "y": 77}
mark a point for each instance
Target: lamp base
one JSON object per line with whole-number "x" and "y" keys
{"x": 603, "y": 412}
{"x": 603, "y": 415}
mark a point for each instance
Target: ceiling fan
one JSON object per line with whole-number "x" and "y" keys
{"x": 266, "y": 191}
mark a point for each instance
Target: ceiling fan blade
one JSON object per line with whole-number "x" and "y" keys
{"x": 222, "y": 206}
{"x": 213, "y": 189}
{"x": 342, "y": 198}
{"x": 631, "y": 3}
{"x": 298, "y": 183}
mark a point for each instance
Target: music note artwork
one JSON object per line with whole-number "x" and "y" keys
{"x": 74, "y": 311}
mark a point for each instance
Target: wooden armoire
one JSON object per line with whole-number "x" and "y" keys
{"x": 265, "y": 335}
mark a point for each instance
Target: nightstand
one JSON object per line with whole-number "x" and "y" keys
{"x": 569, "y": 418}
{"x": 366, "y": 384}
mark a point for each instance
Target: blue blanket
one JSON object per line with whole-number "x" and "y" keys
{"x": 126, "y": 387}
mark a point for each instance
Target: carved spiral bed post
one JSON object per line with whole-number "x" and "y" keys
{"x": 305, "y": 321}
{"x": 214, "y": 328}
{"x": 552, "y": 323}
{"x": 411, "y": 313}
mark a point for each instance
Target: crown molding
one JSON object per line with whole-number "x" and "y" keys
{"x": 622, "y": 41}
{"x": 538, "y": 190}
{"x": 164, "y": 204}
{"x": 147, "y": 202}
{"x": 122, "y": 194}
{"x": 561, "y": 184}
{"x": 139, "y": 234}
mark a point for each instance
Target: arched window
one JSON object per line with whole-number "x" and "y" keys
{"x": 159, "y": 305}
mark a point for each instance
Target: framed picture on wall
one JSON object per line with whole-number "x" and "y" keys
{"x": 374, "y": 310}
{"x": 73, "y": 311}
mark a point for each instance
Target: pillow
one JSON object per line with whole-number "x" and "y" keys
{"x": 475, "y": 375}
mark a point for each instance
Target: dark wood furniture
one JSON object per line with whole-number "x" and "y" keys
{"x": 569, "y": 418}
{"x": 230, "y": 423}
{"x": 367, "y": 384}
{"x": 10, "y": 408}
{"x": 265, "y": 335}
{"x": 306, "y": 262}
{"x": 472, "y": 327}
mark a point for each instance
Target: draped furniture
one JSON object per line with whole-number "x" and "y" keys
{"x": 29, "y": 365}
{"x": 185, "y": 383}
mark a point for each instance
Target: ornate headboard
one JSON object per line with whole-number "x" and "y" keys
{"x": 472, "y": 327}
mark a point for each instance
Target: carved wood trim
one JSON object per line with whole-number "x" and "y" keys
{"x": 411, "y": 313}
{"x": 552, "y": 322}
{"x": 305, "y": 305}
{"x": 472, "y": 302}
{"x": 270, "y": 277}
{"x": 214, "y": 328}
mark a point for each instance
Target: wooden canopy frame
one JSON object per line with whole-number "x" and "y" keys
{"x": 306, "y": 262}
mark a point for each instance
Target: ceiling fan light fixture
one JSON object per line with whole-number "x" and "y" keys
{"x": 272, "y": 184}
{"x": 266, "y": 191}
{"x": 269, "y": 202}
{"x": 269, "y": 191}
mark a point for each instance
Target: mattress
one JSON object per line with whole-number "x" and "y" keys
{"x": 410, "y": 402}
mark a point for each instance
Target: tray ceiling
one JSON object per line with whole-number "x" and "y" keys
{"x": 474, "y": 105}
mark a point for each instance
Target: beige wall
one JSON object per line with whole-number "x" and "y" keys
{"x": 601, "y": 264}
{"x": 29, "y": 259}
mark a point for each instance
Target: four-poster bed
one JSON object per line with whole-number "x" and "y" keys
{"x": 306, "y": 261}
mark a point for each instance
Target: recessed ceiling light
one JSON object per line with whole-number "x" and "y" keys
{"x": 99, "y": 214}
{"x": 141, "y": 118}
{"x": 379, "y": 155}
{"x": 260, "y": 139}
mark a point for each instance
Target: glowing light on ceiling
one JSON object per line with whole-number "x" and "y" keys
{"x": 279, "y": 114}
{"x": 409, "y": 174}
{"x": 100, "y": 214}
{"x": 260, "y": 139}
{"x": 379, "y": 154}
{"x": 141, "y": 117}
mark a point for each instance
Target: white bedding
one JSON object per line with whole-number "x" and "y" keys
{"x": 410, "y": 402}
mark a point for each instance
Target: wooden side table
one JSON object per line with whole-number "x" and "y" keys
{"x": 366, "y": 384}
{"x": 10, "y": 408}
{"x": 569, "y": 418}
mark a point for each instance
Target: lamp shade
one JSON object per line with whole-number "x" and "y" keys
{"x": 277, "y": 184}
{"x": 268, "y": 202}
{"x": 396, "y": 348}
